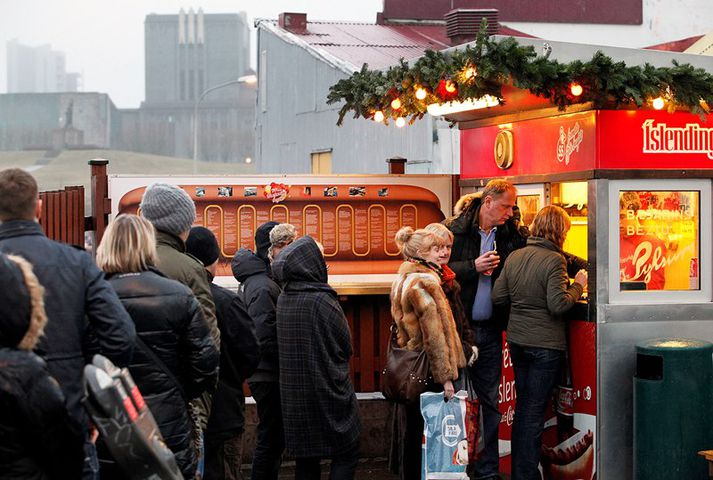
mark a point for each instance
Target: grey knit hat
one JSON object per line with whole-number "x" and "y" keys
{"x": 169, "y": 208}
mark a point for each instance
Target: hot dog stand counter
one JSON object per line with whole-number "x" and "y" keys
{"x": 637, "y": 185}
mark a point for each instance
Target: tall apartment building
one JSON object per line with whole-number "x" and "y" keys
{"x": 187, "y": 54}
{"x": 38, "y": 70}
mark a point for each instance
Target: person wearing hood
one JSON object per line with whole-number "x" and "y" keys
{"x": 319, "y": 407}
{"x": 239, "y": 355}
{"x": 38, "y": 438}
{"x": 259, "y": 293}
{"x": 175, "y": 359}
{"x": 535, "y": 284}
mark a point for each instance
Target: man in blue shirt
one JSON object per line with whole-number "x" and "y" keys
{"x": 484, "y": 235}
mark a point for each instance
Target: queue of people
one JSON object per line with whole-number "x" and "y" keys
{"x": 151, "y": 305}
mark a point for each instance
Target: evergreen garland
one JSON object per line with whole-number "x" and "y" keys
{"x": 483, "y": 69}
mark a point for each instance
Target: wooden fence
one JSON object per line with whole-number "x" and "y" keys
{"x": 63, "y": 215}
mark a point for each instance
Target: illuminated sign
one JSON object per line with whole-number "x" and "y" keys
{"x": 691, "y": 138}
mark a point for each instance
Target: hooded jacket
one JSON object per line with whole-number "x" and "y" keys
{"x": 466, "y": 248}
{"x": 319, "y": 407}
{"x": 259, "y": 293}
{"x": 170, "y": 322}
{"x": 425, "y": 321}
{"x": 38, "y": 438}
{"x": 78, "y": 301}
{"x": 534, "y": 283}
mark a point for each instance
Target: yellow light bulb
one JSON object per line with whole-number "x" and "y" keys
{"x": 420, "y": 93}
{"x": 379, "y": 116}
{"x": 576, "y": 89}
{"x": 450, "y": 87}
{"x": 470, "y": 72}
{"x": 400, "y": 122}
{"x": 395, "y": 103}
{"x": 658, "y": 103}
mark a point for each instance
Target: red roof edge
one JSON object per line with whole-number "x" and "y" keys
{"x": 677, "y": 45}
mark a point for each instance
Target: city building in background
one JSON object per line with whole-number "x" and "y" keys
{"x": 38, "y": 70}
{"x": 187, "y": 55}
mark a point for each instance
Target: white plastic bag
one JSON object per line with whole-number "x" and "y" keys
{"x": 445, "y": 447}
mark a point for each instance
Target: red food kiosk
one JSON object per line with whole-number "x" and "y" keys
{"x": 637, "y": 184}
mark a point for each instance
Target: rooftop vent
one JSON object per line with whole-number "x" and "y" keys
{"x": 462, "y": 24}
{"x": 293, "y": 22}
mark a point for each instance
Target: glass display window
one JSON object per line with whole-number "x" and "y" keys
{"x": 660, "y": 240}
{"x": 572, "y": 197}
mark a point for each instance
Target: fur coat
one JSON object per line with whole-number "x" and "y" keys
{"x": 424, "y": 320}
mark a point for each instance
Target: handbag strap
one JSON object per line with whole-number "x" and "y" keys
{"x": 160, "y": 363}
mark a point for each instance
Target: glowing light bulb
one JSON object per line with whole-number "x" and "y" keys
{"x": 450, "y": 87}
{"x": 379, "y": 116}
{"x": 470, "y": 72}
{"x": 395, "y": 103}
{"x": 658, "y": 103}
{"x": 400, "y": 122}
{"x": 420, "y": 93}
{"x": 576, "y": 89}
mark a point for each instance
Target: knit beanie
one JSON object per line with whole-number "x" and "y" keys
{"x": 262, "y": 239}
{"x": 15, "y": 307}
{"x": 169, "y": 208}
{"x": 201, "y": 243}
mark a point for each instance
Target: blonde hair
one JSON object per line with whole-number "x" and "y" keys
{"x": 38, "y": 316}
{"x": 496, "y": 187}
{"x": 551, "y": 223}
{"x": 128, "y": 245}
{"x": 413, "y": 243}
{"x": 441, "y": 231}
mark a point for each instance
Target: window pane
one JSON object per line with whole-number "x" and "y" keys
{"x": 659, "y": 240}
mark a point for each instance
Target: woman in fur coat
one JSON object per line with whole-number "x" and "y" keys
{"x": 424, "y": 321}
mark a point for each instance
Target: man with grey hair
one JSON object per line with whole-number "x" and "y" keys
{"x": 484, "y": 235}
{"x": 281, "y": 236}
{"x": 172, "y": 212}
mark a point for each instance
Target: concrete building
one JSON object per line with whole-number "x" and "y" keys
{"x": 186, "y": 55}
{"x": 38, "y": 70}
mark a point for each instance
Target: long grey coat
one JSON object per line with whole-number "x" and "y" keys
{"x": 319, "y": 408}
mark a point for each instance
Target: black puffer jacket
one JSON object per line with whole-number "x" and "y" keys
{"x": 259, "y": 293}
{"x": 77, "y": 299}
{"x": 38, "y": 440}
{"x": 169, "y": 321}
{"x": 239, "y": 355}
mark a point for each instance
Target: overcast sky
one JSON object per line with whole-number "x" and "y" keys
{"x": 104, "y": 39}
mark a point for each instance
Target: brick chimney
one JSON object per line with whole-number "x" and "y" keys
{"x": 293, "y": 22}
{"x": 462, "y": 24}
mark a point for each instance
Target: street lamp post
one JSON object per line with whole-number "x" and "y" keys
{"x": 244, "y": 79}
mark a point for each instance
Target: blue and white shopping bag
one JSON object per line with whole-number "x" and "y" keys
{"x": 445, "y": 446}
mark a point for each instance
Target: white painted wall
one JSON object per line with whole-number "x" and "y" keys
{"x": 663, "y": 21}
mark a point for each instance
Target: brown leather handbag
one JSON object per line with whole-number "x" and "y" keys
{"x": 406, "y": 374}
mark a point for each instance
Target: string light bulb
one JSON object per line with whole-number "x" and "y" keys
{"x": 379, "y": 116}
{"x": 421, "y": 93}
{"x": 395, "y": 103}
{"x": 450, "y": 87}
{"x": 658, "y": 103}
{"x": 400, "y": 122}
{"x": 470, "y": 72}
{"x": 576, "y": 89}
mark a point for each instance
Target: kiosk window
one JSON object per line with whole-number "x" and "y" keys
{"x": 572, "y": 196}
{"x": 659, "y": 240}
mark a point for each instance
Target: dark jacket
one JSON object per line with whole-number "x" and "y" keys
{"x": 38, "y": 439}
{"x": 534, "y": 283}
{"x": 466, "y": 248}
{"x": 170, "y": 322}
{"x": 319, "y": 407}
{"x": 239, "y": 355}
{"x": 259, "y": 293}
{"x": 77, "y": 299}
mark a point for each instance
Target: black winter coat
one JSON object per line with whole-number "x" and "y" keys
{"x": 319, "y": 407}
{"x": 38, "y": 439}
{"x": 78, "y": 300}
{"x": 466, "y": 248}
{"x": 239, "y": 355}
{"x": 259, "y": 293}
{"x": 170, "y": 322}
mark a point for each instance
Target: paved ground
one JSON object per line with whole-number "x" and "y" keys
{"x": 371, "y": 469}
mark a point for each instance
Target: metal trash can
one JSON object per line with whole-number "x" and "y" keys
{"x": 673, "y": 408}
